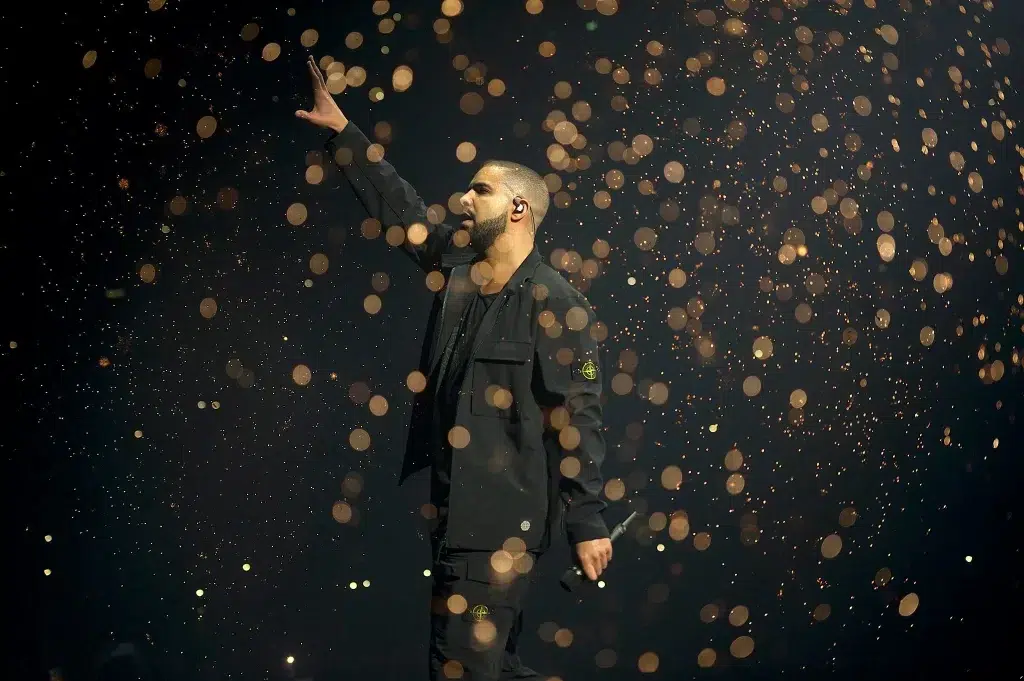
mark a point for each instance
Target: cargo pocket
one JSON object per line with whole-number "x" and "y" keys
{"x": 492, "y": 597}
{"x": 494, "y": 369}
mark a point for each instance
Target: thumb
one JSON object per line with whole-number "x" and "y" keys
{"x": 302, "y": 114}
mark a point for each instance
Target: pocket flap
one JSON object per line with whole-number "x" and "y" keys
{"x": 517, "y": 351}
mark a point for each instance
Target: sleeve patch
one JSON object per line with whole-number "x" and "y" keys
{"x": 585, "y": 369}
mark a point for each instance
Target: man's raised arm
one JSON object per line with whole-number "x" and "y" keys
{"x": 382, "y": 191}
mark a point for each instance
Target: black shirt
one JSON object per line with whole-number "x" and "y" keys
{"x": 453, "y": 365}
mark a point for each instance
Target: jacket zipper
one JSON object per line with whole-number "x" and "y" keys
{"x": 444, "y": 304}
{"x": 442, "y": 542}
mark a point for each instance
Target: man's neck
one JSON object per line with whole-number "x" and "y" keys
{"x": 502, "y": 268}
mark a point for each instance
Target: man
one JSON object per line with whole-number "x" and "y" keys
{"x": 509, "y": 422}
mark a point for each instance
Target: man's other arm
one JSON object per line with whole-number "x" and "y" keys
{"x": 571, "y": 370}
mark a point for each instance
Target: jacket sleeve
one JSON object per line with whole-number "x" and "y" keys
{"x": 571, "y": 370}
{"x": 386, "y": 196}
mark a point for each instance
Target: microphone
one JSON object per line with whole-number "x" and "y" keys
{"x": 575, "y": 576}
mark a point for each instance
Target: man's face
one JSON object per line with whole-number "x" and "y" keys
{"x": 486, "y": 205}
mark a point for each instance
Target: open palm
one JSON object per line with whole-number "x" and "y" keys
{"x": 325, "y": 113}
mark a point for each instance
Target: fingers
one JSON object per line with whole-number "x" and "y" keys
{"x": 594, "y": 557}
{"x": 595, "y": 563}
{"x": 314, "y": 72}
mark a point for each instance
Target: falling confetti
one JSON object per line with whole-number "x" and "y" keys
{"x": 799, "y": 224}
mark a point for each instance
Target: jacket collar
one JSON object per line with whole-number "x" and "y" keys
{"x": 523, "y": 273}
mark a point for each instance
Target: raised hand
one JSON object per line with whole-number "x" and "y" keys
{"x": 326, "y": 113}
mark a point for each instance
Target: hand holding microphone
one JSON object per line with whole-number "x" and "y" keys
{"x": 593, "y": 555}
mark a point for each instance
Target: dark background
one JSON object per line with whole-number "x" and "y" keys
{"x": 94, "y": 157}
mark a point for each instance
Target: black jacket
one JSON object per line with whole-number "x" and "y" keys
{"x": 537, "y": 343}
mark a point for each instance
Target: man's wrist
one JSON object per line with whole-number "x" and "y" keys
{"x": 338, "y": 127}
{"x": 588, "y": 529}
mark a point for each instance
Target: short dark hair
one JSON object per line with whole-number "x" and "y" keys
{"x": 524, "y": 182}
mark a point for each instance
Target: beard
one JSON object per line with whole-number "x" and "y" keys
{"x": 485, "y": 233}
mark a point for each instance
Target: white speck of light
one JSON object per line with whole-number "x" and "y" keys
{"x": 631, "y": 281}
{"x": 969, "y": 559}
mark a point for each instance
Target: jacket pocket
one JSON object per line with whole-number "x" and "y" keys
{"x": 495, "y": 370}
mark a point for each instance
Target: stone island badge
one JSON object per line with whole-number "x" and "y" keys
{"x": 585, "y": 370}
{"x": 478, "y": 613}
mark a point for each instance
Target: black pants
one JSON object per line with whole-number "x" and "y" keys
{"x": 480, "y": 642}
